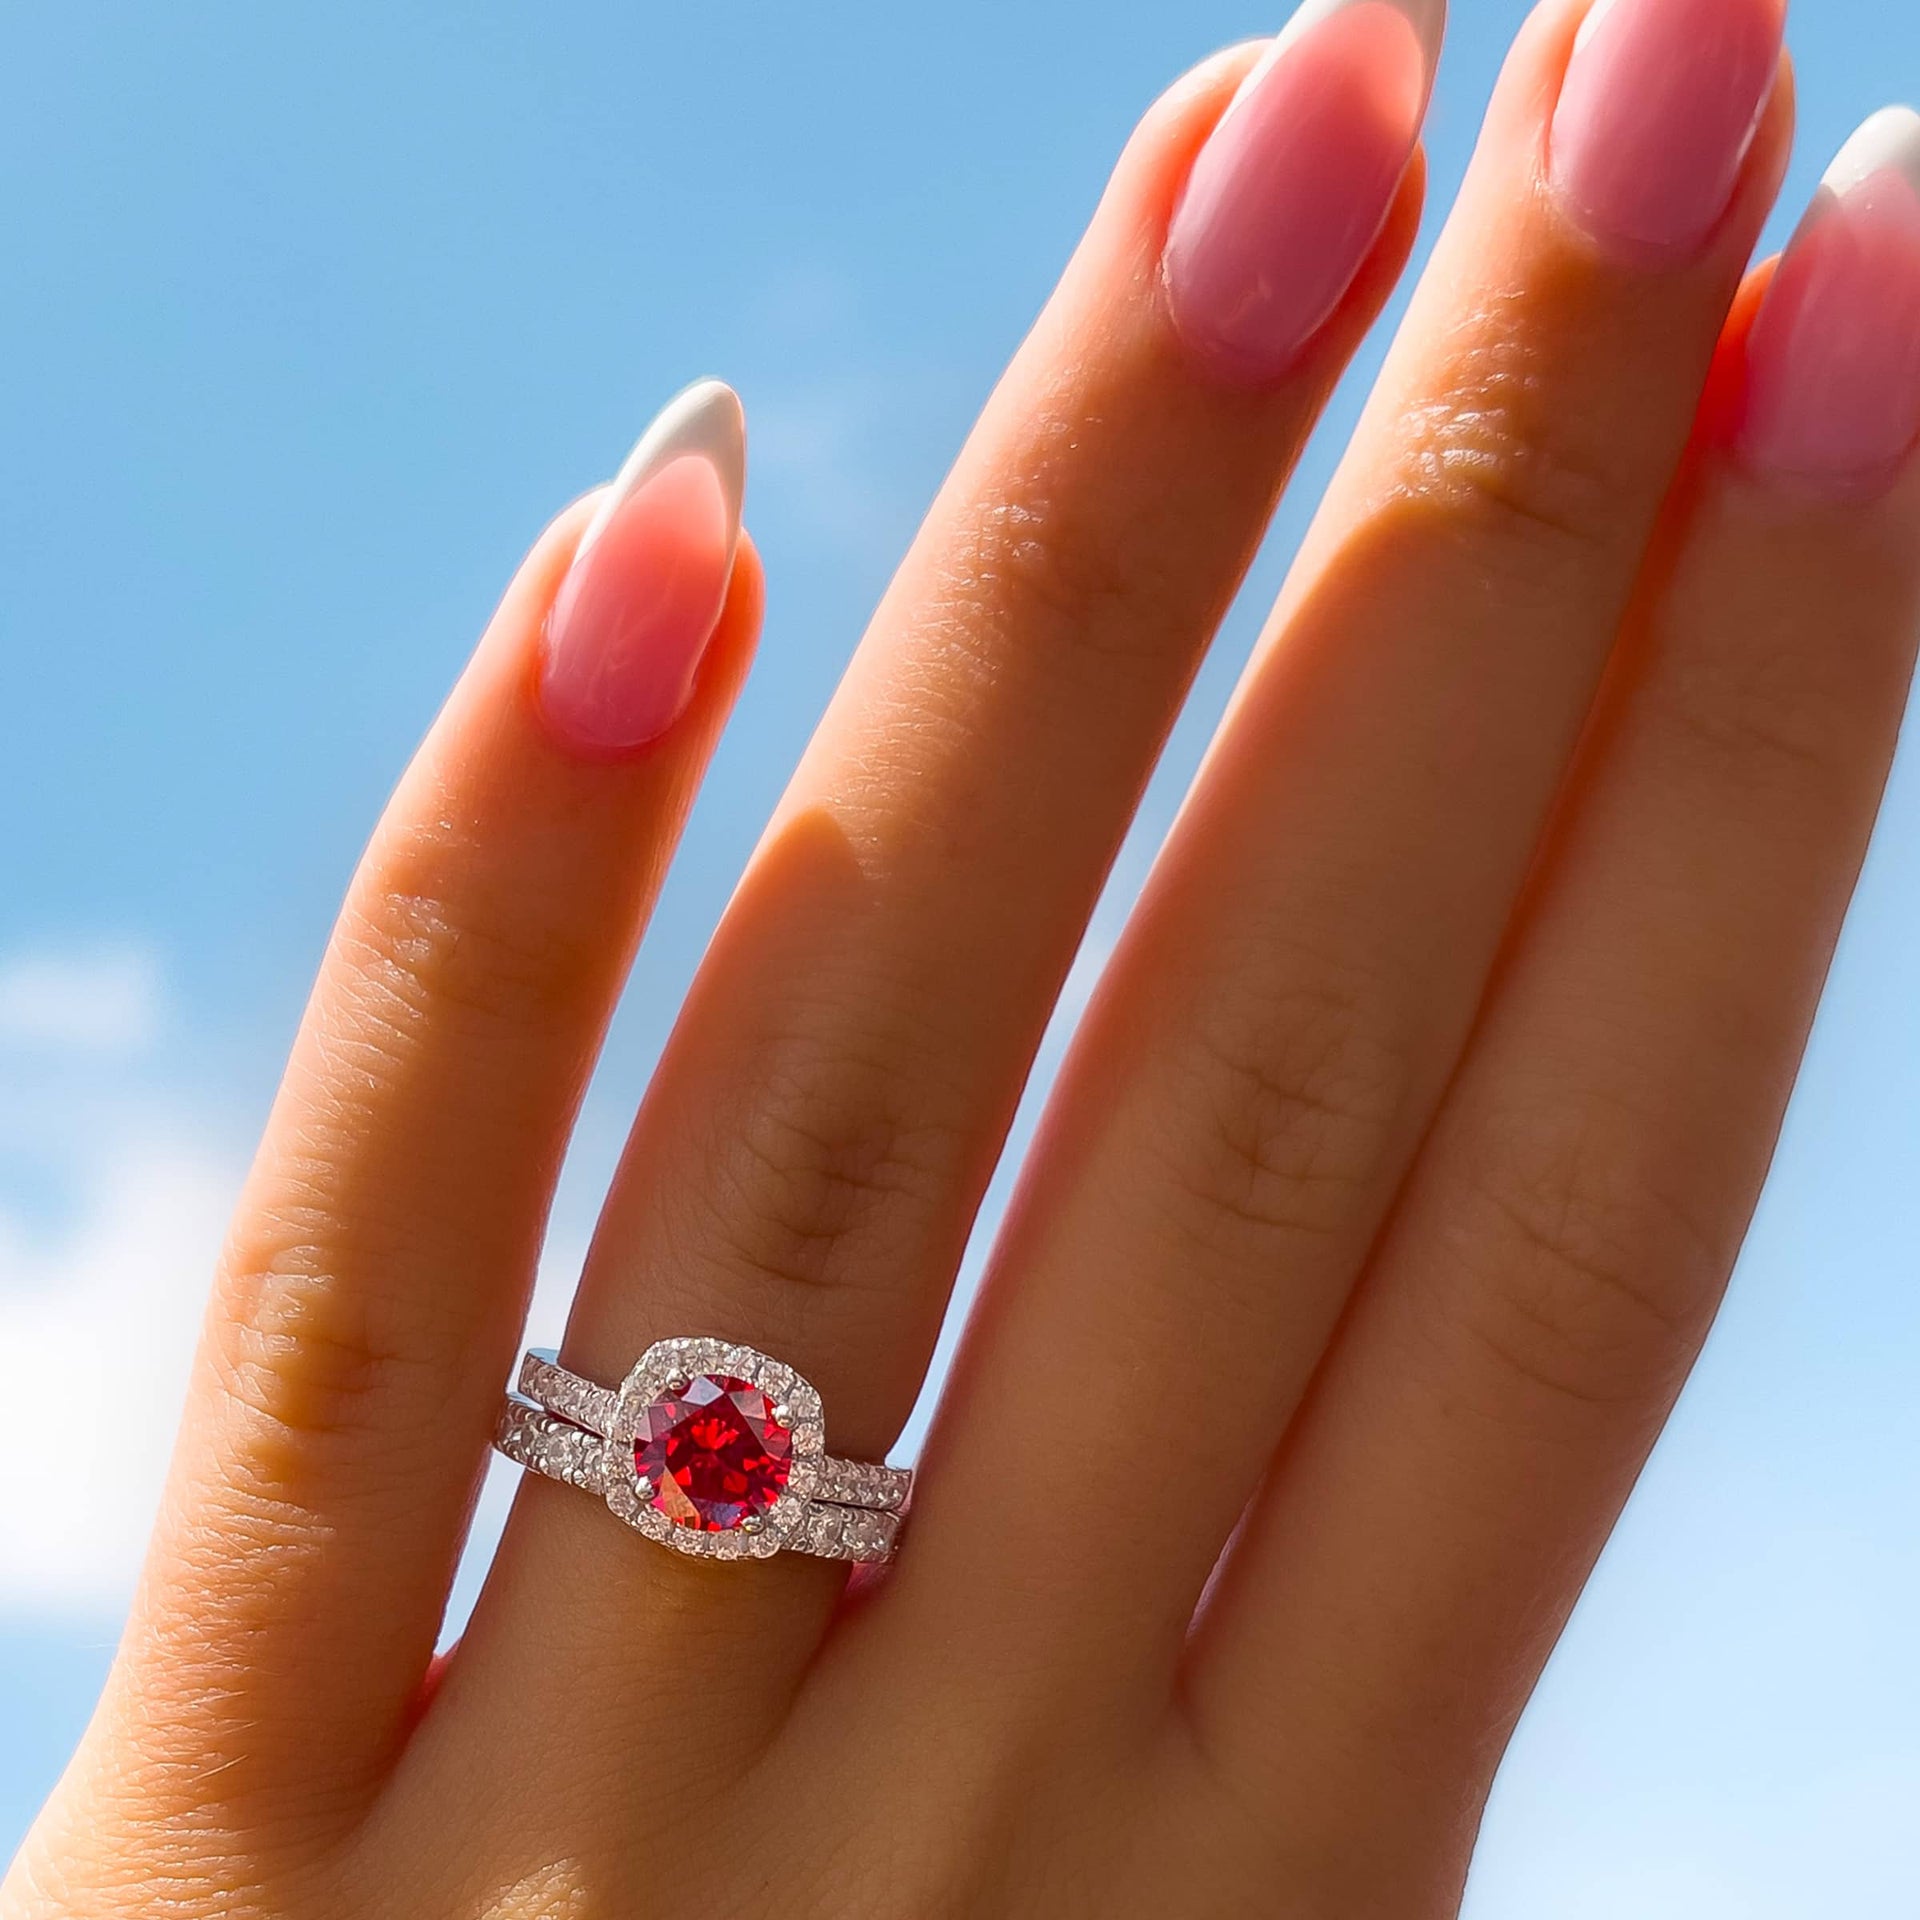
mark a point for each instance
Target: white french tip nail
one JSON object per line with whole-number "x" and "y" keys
{"x": 1889, "y": 142}
{"x": 1590, "y": 25}
{"x": 1428, "y": 18}
{"x": 705, "y": 419}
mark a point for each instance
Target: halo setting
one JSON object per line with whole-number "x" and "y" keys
{"x": 709, "y": 1447}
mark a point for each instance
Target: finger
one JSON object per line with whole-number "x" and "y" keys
{"x": 806, "y": 1167}
{"x": 376, "y": 1273}
{"x": 1282, "y": 1015}
{"x": 1564, "y": 1241}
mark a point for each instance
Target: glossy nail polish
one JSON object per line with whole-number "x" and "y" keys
{"x": 1285, "y": 201}
{"x": 1832, "y": 398}
{"x": 1656, "y": 116}
{"x": 638, "y": 605}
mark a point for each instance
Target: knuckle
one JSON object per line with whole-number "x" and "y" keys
{"x": 1494, "y": 452}
{"x": 1039, "y": 564}
{"x": 1587, "y": 1279}
{"x": 160, "y": 1860}
{"x": 1284, "y": 1116}
{"x": 836, "y": 1168}
{"x": 419, "y": 958}
{"x": 1760, "y": 718}
{"x": 301, "y": 1355}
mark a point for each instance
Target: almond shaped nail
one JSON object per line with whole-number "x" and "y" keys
{"x": 1287, "y": 198}
{"x": 632, "y": 618}
{"x": 1656, "y": 116}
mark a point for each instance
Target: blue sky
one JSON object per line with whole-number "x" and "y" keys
{"x": 313, "y": 316}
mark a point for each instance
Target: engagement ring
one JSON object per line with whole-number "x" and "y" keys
{"x": 708, "y": 1447}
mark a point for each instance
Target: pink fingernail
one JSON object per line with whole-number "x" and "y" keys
{"x": 1656, "y": 116}
{"x": 1833, "y": 359}
{"x": 640, "y": 602}
{"x": 1285, "y": 201}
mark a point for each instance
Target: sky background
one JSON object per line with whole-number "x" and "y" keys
{"x": 312, "y": 317}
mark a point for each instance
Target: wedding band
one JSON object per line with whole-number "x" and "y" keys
{"x": 708, "y": 1447}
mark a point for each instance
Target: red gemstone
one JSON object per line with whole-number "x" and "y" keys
{"x": 713, "y": 1453}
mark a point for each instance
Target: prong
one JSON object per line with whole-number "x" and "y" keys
{"x": 679, "y": 1382}
{"x": 754, "y": 1523}
{"x": 782, "y": 1414}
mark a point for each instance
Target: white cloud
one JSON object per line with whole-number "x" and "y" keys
{"x": 112, "y": 1302}
{"x": 115, "y": 1211}
{"x": 115, "y": 1299}
{"x": 105, "y": 1000}
{"x": 815, "y": 446}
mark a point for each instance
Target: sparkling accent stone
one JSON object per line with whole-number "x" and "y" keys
{"x": 859, "y": 1483}
{"x": 548, "y": 1384}
{"x": 713, "y": 1453}
{"x": 825, "y": 1531}
{"x": 551, "y": 1446}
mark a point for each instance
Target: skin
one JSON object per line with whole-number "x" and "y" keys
{"x": 1428, "y": 1095}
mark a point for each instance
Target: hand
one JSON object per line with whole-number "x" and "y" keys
{"x": 1390, "y": 1184}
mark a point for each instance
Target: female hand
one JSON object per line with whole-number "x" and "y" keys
{"x": 1392, "y": 1179}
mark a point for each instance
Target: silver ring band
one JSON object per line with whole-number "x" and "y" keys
{"x": 745, "y": 1427}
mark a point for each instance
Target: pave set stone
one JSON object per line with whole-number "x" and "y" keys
{"x": 860, "y": 1483}
{"x": 847, "y": 1533}
{"x": 547, "y": 1383}
{"x": 552, "y": 1446}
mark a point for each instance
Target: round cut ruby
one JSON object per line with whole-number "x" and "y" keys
{"x": 713, "y": 1453}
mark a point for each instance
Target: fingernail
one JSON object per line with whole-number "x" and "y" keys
{"x": 1285, "y": 201}
{"x": 1833, "y": 358}
{"x": 641, "y": 600}
{"x": 1657, "y": 112}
